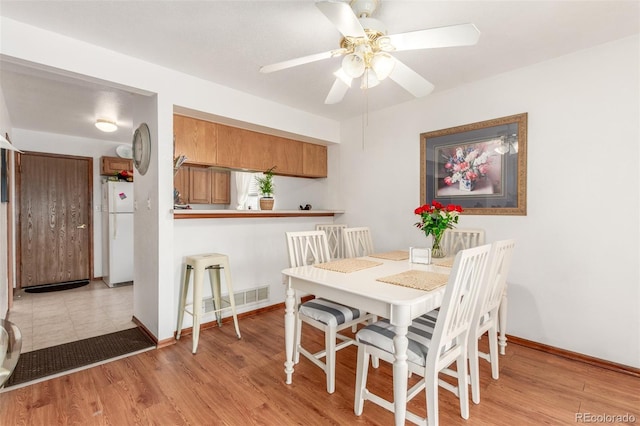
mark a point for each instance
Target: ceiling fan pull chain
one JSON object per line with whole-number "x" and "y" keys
{"x": 365, "y": 114}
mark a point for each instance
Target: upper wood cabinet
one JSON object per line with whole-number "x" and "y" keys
{"x": 287, "y": 156}
{"x": 314, "y": 160}
{"x": 197, "y": 139}
{"x": 243, "y": 149}
{"x": 114, "y": 165}
{"x": 238, "y": 148}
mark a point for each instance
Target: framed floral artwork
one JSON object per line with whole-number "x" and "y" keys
{"x": 479, "y": 166}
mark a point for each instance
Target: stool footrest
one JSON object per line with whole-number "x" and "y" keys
{"x": 208, "y": 267}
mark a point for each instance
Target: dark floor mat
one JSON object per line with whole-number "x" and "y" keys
{"x": 45, "y": 288}
{"x": 56, "y": 359}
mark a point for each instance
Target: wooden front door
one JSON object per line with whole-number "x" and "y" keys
{"x": 54, "y": 220}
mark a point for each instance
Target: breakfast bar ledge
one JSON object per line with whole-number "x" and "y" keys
{"x": 222, "y": 214}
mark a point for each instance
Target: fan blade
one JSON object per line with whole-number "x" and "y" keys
{"x": 342, "y": 17}
{"x": 337, "y": 92}
{"x": 454, "y": 35}
{"x": 410, "y": 80}
{"x": 301, "y": 61}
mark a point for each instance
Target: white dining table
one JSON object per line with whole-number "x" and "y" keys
{"x": 361, "y": 289}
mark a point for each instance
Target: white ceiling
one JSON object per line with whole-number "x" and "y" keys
{"x": 227, "y": 41}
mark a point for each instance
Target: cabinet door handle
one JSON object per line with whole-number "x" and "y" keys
{"x": 83, "y": 226}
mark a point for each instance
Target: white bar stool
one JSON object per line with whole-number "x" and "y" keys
{"x": 199, "y": 262}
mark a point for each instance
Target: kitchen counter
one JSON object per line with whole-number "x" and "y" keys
{"x": 223, "y": 214}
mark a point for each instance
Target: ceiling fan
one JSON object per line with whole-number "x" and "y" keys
{"x": 365, "y": 46}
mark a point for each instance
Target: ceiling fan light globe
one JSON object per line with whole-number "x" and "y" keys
{"x": 363, "y": 50}
{"x": 384, "y": 44}
{"x": 369, "y": 80}
{"x": 382, "y": 64}
{"x": 353, "y": 65}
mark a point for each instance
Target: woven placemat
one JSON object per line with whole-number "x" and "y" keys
{"x": 347, "y": 265}
{"x": 447, "y": 262}
{"x": 392, "y": 255}
{"x": 420, "y": 280}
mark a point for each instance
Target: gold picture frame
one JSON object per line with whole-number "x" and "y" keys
{"x": 480, "y": 166}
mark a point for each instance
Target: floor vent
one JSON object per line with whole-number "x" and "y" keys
{"x": 245, "y": 297}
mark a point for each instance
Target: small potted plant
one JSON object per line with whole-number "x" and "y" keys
{"x": 265, "y": 184}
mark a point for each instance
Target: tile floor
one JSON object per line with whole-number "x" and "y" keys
{"x": 50, "y": 319}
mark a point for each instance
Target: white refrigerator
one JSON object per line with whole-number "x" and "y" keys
{"x": 117, "y": 237}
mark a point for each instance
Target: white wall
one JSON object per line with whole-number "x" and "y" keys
{"x": 574, "y": 282}
{"x": 5, "y": 127}
{"x": 257, "y": 251}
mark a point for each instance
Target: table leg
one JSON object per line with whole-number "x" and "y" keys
{"x": 502, "y": 323}
{"x": 289, "y": 331}
{"x": 400, "y": 374}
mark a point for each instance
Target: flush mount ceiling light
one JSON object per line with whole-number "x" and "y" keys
{"x": 106, "y": 125}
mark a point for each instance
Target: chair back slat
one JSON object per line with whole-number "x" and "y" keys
{"x": 357, "y": 241}
{"x": 307, "y": 248}
{"x": 458, "y": 239}
{"x": 334, "y": 238}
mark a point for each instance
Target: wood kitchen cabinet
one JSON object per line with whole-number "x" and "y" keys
{"x": 114, "y": 165}
{"x": 198, "y": 185}
{"x": 220, "y": 187}
{"x": 242, "y": 149}
{"x": 181, "y": 184}
{"x": 219, "y": 145}
{"x": 314, "y": 160}
{"x": 197, "y": 139}
{"x": 287, "y": 156}
{"x": 245, "y": 149}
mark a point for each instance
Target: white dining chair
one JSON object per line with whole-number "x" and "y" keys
{"x": 357, "y": 241}
{"x": 308, "y": 248}
{"x": 334, "y": 238}
{"x": 457, "y": 239}
{"x": 433, "y": 344}
{"x": 486, "y": 317}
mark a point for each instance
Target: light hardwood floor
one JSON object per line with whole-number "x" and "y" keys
{"x": 241, "y": 382}
{"x": 54, "y": 318}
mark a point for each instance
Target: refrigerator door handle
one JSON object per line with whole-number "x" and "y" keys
{"x": 115, "y": 216}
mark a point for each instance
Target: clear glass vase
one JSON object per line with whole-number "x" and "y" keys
{"x": 437, "y": 251}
